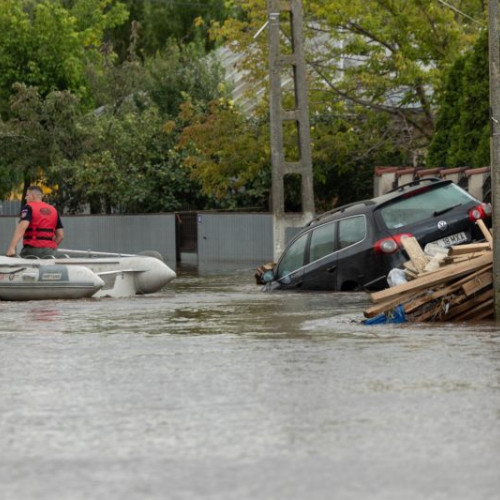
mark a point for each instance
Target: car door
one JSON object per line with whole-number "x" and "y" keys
{"x": 309, "y": 262}
{"x": 354, "y": 254}
{"x": 320, "y": 273}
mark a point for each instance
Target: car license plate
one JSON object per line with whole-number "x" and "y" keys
{"x": 453, "y": 239}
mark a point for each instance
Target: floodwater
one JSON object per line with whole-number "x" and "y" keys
{"x": 214, "y": 390}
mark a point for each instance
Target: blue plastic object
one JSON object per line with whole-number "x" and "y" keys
{"x": 397, "y": 315}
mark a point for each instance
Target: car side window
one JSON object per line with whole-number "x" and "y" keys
{"x": 322, "y": 241}
{"x": 351, "y": 231}
{"x": 293, "y": 258}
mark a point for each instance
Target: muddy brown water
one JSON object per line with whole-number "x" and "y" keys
{"x": 212, "y": 389}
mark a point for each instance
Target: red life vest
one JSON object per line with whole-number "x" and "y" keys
{"x": 42, "y": 229}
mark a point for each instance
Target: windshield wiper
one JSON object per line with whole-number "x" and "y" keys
{"x": 441, "y": 212}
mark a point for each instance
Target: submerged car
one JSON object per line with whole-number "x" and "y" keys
{"x": 355, "y": 246}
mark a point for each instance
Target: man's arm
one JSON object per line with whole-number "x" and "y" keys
{"x": 59, "y": 235}
{"x": 18, "y": 234}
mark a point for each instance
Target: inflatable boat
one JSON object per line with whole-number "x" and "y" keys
{"x": 75, "y": 274}
{"x": 25, "y": 279}
{"x": 124, "y": 275}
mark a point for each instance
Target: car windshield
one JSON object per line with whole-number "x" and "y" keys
{"x": 422, "y": 205}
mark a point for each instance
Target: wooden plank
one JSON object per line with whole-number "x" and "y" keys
{"x": 470, "y": 304}
{"x": 462, "y": 258}
{"x": 417, "y": 304}
{"x": 408, "y": 265}
{"x": 433, "y": 278}
{"x": 417, "y": 256}
{"x": 486, "y": 233}
{"x": 388, "y": 305}
{"x": 410, "y": 275}
{"x": 430, "y": 313}
{"x": 487, "y": 314}
{"x": 476, "y": 312}
{"x": 453, "y": 287}
{"x": 447, "y": 290}
{"x": 452, "y": 306}
{"x": 478, "y": 283}
{"x": 469, "y": 248}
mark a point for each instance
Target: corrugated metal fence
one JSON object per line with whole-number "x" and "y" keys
{"x": 122, "y": 233}
{"x": 234, "y": 238}
{"x": 10, "y": 207}
{"x": 111, "y": 233}
{"x": 213, "y": 238}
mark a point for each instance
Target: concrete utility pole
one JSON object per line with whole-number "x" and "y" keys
{"x": 291, "y": 13}
{"x": 494, "y": 63}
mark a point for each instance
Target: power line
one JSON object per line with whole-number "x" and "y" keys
{"x": 458, "y": 11}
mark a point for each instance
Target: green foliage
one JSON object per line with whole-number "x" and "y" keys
{"x": 345, "y": 152}
{"x": 129, "y": 162}
{"x": 121, "y": 156}
{"x": 160, "y": 22}
{"x": 228, "y": 154}
{"x": 43, "y": 44}
{"x": 370, "y": 55}
{"x": 462, "y": 129}
{"x": 151, "y": 128}
{"x": 182, "y": 72}
{"x": 40, "y": 131}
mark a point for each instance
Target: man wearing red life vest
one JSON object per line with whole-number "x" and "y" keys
{"x": 39, "y": 226}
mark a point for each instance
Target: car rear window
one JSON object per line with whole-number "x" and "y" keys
{"x": 423, "y": 205}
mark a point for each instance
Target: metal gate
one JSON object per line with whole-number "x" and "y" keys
{"x": 186, "y": 232}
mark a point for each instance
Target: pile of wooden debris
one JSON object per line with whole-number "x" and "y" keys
{"x": 452, "y": 284}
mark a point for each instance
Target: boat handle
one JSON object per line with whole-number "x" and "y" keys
{"x": 14, "y": 271}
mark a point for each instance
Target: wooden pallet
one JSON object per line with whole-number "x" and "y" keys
{"x": 456, "y": 286}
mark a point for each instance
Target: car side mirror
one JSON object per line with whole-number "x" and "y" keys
{"x": 268, "y": 276}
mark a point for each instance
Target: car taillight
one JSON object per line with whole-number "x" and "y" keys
{"x": 391, "y": 244}
{"x": 480, "y": 212}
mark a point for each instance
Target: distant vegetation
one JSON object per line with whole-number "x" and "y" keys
{"x": 123, "y": 106}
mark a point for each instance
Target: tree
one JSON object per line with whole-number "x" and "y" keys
{"x": 227, "y": 153}
{"x": 46, "y": 45}
{"x": 40, "y": 132}
{"x": 345, "y": 150}
{"x": 119, "y": 155}
{"x": 362, "y": 55}
{"x": 462, "y": 135}
{"x": 161, "y": 22}
{"x": 372, "y": 88}
{"x": 129, "y": 162}
{"x": 183, "y": 72}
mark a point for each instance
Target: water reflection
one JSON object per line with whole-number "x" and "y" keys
{"x": 212, "y": 389}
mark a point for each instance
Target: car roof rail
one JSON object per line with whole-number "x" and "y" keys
{"x": 342, "y": 208}
{"x": 416, "y": 182}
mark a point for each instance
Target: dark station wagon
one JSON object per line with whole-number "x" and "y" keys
{"x": 355, "y": 246}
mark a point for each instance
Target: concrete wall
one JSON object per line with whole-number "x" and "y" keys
{"x": 474, "y": 180}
